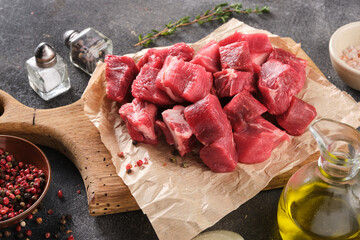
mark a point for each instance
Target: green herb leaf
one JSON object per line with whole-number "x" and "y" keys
{"x": 221, "y": 12}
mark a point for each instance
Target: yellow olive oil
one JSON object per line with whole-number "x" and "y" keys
{"x": 318, "y": 211}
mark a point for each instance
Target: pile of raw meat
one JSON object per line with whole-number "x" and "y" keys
{"x": 218, "y": 100}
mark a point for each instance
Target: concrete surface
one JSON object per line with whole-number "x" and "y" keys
{"x": 26, "y": 23}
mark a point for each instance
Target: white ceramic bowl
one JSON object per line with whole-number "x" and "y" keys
{"x": 346, "y": 36}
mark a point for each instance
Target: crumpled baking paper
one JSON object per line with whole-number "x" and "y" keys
{"x": 182, "y": 202}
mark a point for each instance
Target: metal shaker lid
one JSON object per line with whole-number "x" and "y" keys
{"x": 68, "y": 35}
{"x": 45, "y": 55}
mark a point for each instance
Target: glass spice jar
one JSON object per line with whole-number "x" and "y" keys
{"x": 87, "y": 48}
{"x": 47, "y": 72}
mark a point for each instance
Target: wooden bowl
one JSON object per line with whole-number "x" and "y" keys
{"x": 26, "y": 152}
{"x": 346, "y": 36}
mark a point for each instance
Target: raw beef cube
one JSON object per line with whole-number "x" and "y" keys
{"x": 258, "y": 59}
{"x": 180, "y": 130}
{"x": 156, "y": 57}
{"x": 139, "y": 117}
{"x": 236, "y": 37}
{"x": 297, "y": 63}
{"x": 144, "y": 87}
{"x": 145, "y": 59}
{"x": 166, "y": 131}
{"x": 182, "y": 51}
{"x": 258, "y": 42}
{"x": 184, "y": 80}
{"x": 243, "y": 108}
{"x": 209, "y": 57}
{"x": 229, "y": 82}
{"x": 220, "y": 156}
{"x": 236, "y": 56}
{"x": 207, "y": 120}
{"x": 120, "y": 71}
{"x": 298, "y": 116}
{"x": 278, "y": 83}
{"x": 211, "y": 127}
{"x": 255, "y": 143}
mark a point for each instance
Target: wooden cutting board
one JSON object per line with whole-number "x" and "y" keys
{"x": 69, "y": 131}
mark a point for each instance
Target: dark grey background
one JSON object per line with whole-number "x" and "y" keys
{"x": 24, "y": 24}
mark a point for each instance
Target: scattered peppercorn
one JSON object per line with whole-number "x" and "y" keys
{"x": 35, "y": 211}
{"x": 39, "y": 220}
{"x": 139, "y": 163}
{"x": 28, "y": 233}
{"x": 121, "y": 154}
{"x": 184, "y": 165}
{"x": 71, "y": 237}
{"x": 18, "y": 228}
{"x": 50, "y": 211}
{"x": 62, "y": 220}
{"x": 30, "y": 216}
{"x": 60, "y": 194}
{"x": 78, "y": 191}
{"x": 173, "y": 159}
{"x": 23, "y": 224}
{"x": 47, "y": 235}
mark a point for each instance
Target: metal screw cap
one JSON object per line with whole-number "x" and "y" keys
{"x": 45, "y": 55}
{"x": 68, "y": 35}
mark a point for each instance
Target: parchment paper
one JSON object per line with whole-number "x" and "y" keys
{"x": 181, "y": 202}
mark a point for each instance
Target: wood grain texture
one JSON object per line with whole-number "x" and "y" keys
{"x": 69, "y": 131}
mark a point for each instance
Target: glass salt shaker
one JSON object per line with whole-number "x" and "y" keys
{"x": 87, "y": 48}
{"x": 47, "y": 72}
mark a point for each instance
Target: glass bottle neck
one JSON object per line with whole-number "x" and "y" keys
{"x": 336, "y": 168}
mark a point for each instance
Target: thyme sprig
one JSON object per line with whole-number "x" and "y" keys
{"x": 221, "y": 12}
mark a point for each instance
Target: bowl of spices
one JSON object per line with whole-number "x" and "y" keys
{"x": 25, "y": 176}
{"x": 344, "y": 50}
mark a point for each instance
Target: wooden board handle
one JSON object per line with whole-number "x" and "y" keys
{"x": 69, "y": 131}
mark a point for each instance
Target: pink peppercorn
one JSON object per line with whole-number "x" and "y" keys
{"x": 139, "y": 163}
{"x": 60, "y": 194}
{"x": 128, "y": 166}
{"x": 28, "y": 232}
{"x": 18, "y": 228}
{"x": 9, "y": 158}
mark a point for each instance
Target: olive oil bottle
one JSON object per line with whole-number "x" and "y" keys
{"x": 322, "y": 200}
